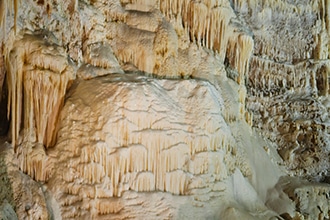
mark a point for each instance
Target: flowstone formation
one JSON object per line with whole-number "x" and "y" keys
{"x": 169, "y": 109}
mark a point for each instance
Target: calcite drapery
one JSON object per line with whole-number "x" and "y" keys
{"x": 38, "y": 77}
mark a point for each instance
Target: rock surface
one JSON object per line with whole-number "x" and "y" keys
{"x": 170, "y": 109}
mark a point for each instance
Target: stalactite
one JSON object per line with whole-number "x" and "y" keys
{"x": 239, "y": 52}
{"x": 14, "y": 65}
{"x": 38, "y": 76}
{"x": 11, "y": 6}
{"x": 3, "y": 14}
{"x": 16, "y": 5}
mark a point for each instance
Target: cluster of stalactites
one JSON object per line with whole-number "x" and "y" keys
{"x": 206, "y": 22}
{"x": 209, "y": 24}
{"x": 37, "y": 76}
{"x": 152, "y": 166}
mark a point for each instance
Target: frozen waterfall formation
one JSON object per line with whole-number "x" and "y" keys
{"x": 164, "y": 109}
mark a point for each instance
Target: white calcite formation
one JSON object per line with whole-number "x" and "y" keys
{"x": 132, "y": 134}
{"x": 164, "y": 109}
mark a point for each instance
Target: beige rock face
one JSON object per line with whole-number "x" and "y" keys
{"x": 170, "y": 109}
{"x": 21, "y": 196}
{"x": 147, "y": 135}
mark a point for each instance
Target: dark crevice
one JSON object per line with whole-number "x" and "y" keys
{"x": 321, "y": 81}
{"x": 4, "y": 122}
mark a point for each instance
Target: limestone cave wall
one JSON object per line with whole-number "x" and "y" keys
{"x": 164, "y": 109}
